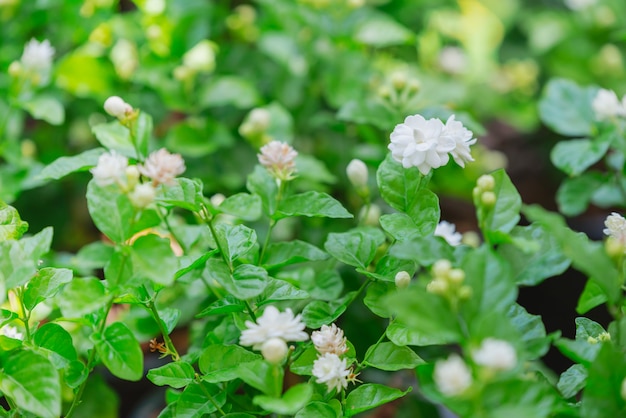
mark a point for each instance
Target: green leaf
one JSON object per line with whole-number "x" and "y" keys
{"x": 591, "y": 297}
{"x": 231, "y": 357}
{"x": 586, "y": 328}
{"x": 602, "y": 395}
{"x": 311, "y": 204}
{"x": 282, "y": 290}
{"x": 98, "y": 400}
{"x": 63, "y": 166}
{"x": 490, "y": 278}
{"x": 291, "y": 402}
{"x": 246, "y": 281}
{"x": 324, "y": 285}
{"x": 427, "y": 316}
{"x": 235, "y": 240}
{"x": 81, "y": 296}
{"x": 399, "y": 186}
{"x": 16, "y": 266}
{"x": 574, "y": 194}
{"x": 318, "y": 313}
{"x": 177, "y": 374}
{"x": 531, "y": 329}
{"x": 566, "y": 107}
{"x": 291, "y": 252}
{"x": 356, "y": 248}
{"x": 148, "y": 248}
{"x": 390, "y": 357}
{"x": 577, "y": 155}
{"x": 578, "y": 350}
{"x": 242, "y": 205}
{"x": 186, "y": 194}
{"x": 32, "y": 382}
{"x": 11, "y": 225}
{"x": 194, "y": 403}
{"x": 261, "y": 183}
{"x": 45, "y": 284}
{"x": 229, "y": 90}
{"x": 114, "y": 214}
{"x": 191, "y": 136}
{"x": 380, "y": 30}
{"x": 572, "y": 381}
{"x": 93, "y": 256}
{"x": 58, "y": 343}
{"x": 375, "y": 298}
{"x": 424, "y": 251}
{"x": 318, "y": 409}
{"x": 533, "y": 267}
{"x": 46, "y": 108}
{"x": 114, "y": 136}
{"x": 303, "y": 364}
{"x": 120, "y": 352}
{"x": 504, "y": 215}
{"x": 227, "y": 304}
{"x": 370, "y": 395}
{"x": 143, "y": 131}
{"x": 261, "y": 375}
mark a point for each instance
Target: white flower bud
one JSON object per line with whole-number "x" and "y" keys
{"x": 357, "y": 173}
{"x": 274, "y": 350}
{"x": 201, "y": 57}
{"x": 488, "y": 198}
{"x": 116, "y": 106}
{"x": 495, "y": 354}
{"x": 370, "y": 215}
{"x": 452, "y": 376}
{"x": 402, "y": 279}
{"x": 217, "y": 199}
{"x": 143, "y": 195}
{"x": 486, "y": 182}
{"x": 437, "y": 287}
{"x": 441, "y": 268}
{"x": 456, "y": 276}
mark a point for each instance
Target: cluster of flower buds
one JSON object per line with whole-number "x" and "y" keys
{"x": 484, "y": 191}
{"x": 448, "y": 282}
{"x": 399, "y": 89}
{"x": 602, "y": 337}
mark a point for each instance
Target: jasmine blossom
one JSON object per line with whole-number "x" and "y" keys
{"x": 163, "y": 167}
{"x": 332, "y": 371}
{"x": 329, "y": 339}
{"x": 452, "y": 376}
{"x": 273, "y": 324}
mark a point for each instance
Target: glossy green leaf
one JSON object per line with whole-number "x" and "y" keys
{"x": 399, "y": 186}
{"x": 242, "y": 205}
{"x": 282, "y": 290}
{"x": 45, "y": 284}
{"x": 81, "y": 296}
{"x": 120, "y": 352}
{"x": 423, "y": 251}
{"x": 356, "y": 248}
{"x": 186, "y": 194}
{"x": 586, "y": 328}
{"x": 261, "y": 375}
{"x": 311, "y": 204}
{"x": 380, "y": 30}
{"x": 572, "y": 381}
{"x": 303, "y": 364}
{"x": 318, "y": 313}
{"x": 177, "y": 374}
{"x": 566, "y": 107}
{"x": 576, "y": 155}
{"x": 261, "y": 183}
{"x": 220, "y": 363}
{"x": 57, "y": 343}
{"x": 11, "y": 225}
{"x": 92, "y": 256}
{"x": 290, "y": 252}
{"x": 390, "y": 357}
{"x": 291, "y": 402}
{"x": 229, "y": 90}
{"x": 227, "y": 304}
{"x": 235, "y": 240}
{"x": 325, "y": 285}
{"x": 114, "y": 136}
{"x": 591, "y": 297}
{"x": 602, "y": 395}
{"x": 370, "y": 395}
{"x": 46, "y": 108}
{"x": 318, "y": 410}
{"x": 574, "y": 194}
{"x": 145, "y": 251}
{"x": 504, "y": 215}
{"x": 142, "y": 128}
{"x": 194, "y": 403}
{"x": 32, "y": 382}
{"x": 375, "y": 298}
{"x": 578, "y": 350}
{"x": 63, "y": 166}
{"x": 532, "y": 331}
{"x": 99, "y": 400}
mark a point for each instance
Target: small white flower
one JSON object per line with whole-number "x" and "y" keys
{"x": 163, "y": 167}
{"x": 332, "y": 371}
{"x": 616, "y": 227}
{"x": 201, "y": 57}
{"x": 37, "y": 56}
{"x": 273, "y": 324}
{"x": 279, "y": 158}
{"x": 142, "y": 195}
{"x": 453, "y": 60}
{"x": 259, "y": 118}
{"x": 447, "y": 231}
{"x": 579, "y": 4}
{"x": 11, "y": 332}
{"x": 329, "y": 339}
{"x": 274, "y": 350}
{"x": 606, "y": 105}
{"x": 111, "y": 168}
{"x": 495, "y": 354}
{"x": 455, "y": 131}
{"x": 356, "y": 171}
{"x": 452, "y": 376}
{"x": 117, "y": 107}
{"x": 402, "y": 279}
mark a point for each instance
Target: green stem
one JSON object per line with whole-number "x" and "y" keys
{"x": 272, "y": 223}
{"x": 278, "y": 383}
{"x": 229, "y": 263}
{"x": 25, "y": 312}
{"x": 361, "y": 365}
{"x": 171, "y": 231}
{"x": 171, "y": 349}
{"x": 250, "y": 311}
{"x": 208, "y": 395}
{"x": 90, "y": 361}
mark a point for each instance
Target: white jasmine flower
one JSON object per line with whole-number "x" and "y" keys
{"x": 606, "y": 105}
{"x": 201, "y": 57}
{"x": 37, "y": 56}
{"x": 452, "y": 376}
{"x": 111, "y": 168}
{"x": 11, "y": 332}
{"x": 579, "y": 4}
{"x": 332, "y": 370}
{"x": 455, "y": 131}
{"x": 117, "y": 107}
{"x": 447, "y": 231}
{"x": 402, "y": 279}
{"x": 495, "y": 354}
{"x": 142, "y": 195}
{"x": 453, "y": 60}
{"x": 418, "y": 143}
{"x": 356, "y": 170}
{"x": 273, "y": 324}
{"x": 616, "y": 227}
{"x": 329, "y": 339}
{"x": 163, "y": 167}
{"x": 274, "y": 350}
{"x": 279, "y": 158}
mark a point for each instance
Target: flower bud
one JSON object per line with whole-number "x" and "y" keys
{"x": 217, "y": 199}
{"x": 456, "y": 276}
{"x": 604, "y": 336}
{"x": 402, "y": 279}
{"x": 437, "y": 287}
{"x": 370, "y": 215}
{"x": 441, "y": 268}
{"x": 465, "y": 292}
{"x": 15, "y": 69}
{"x": 132, "y": 176}
{"x": 200, "y": 58}
{"x": 274, "y": 350}
{"x": 592, "y": 340}
{"x": 488, "y": 198}
{"x": 471, "y": 239}
{"x": 398, "y": 80}
{"x": 357, "y": 173}
{"x": 142, "y": 196}
{"x": 116, "y": 106}
{"x": 486, "y": 182}
{"x": 613, "y": 247}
